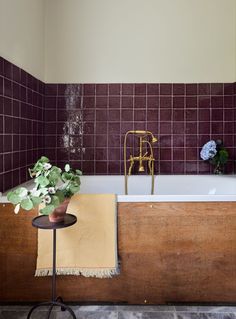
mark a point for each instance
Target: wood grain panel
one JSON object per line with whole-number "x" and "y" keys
{"x": 170, "y": 252}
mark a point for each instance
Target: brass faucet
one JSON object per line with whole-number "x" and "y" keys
{"x": 143, "y": 139}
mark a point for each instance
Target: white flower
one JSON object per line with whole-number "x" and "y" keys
{"x": 17, "y": 208}
{"x": 34, "y": 192}
{"x": 47, "y": 166}
{"x": 47, "y": 199}
{"x": 51, "y": 190}
{"x": 67, "y": 167}
{"x": 208, "y": 150}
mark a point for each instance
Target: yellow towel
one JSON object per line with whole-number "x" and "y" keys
{"x": 89, "y": 247}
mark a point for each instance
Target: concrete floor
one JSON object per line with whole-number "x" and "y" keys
{"x": 124, "y": 312}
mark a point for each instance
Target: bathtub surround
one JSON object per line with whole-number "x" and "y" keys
{"x": 85, "y": 124}
{"x": 21, "y": 123}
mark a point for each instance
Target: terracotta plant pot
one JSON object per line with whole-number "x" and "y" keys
{"x": 58, "y": 215}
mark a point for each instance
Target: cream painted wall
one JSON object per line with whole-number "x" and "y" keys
{"x": 140, "y": 41}
{"x": 22, "y": 34}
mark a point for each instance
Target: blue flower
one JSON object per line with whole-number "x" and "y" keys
{"x": 208, "y": 150}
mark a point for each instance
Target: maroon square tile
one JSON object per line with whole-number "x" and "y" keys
{"x": 153, "y": 102}
{"x": 192, "y": 154}
{"x": 217, "y": 88}
{"x": 165, "y": 102}
{"x": 165, "y": 167}
{"x": 191, "y": 89}
{"x": 139, "y": 102}
{"x": 114, "y": 154}
{"x": 178, "y": 154}
{"x": 16, "y": 73}
{"x": 178, "y": 140}
{"x": 204, "y": 167}
{"x": 127, "y": 115}
{"x": 152, "y": 115}
{"x": 165, "y": 154}
{"x": 178, "y": 127}
{"x": 114, "y": 140}
{"x": 228, "y": 140}
{"x": 101, "y": 89}
{"x": 24, "y": 76}
{"x": 8, "y": 124}
{"x": 191, "y": 101}
{"x": 165, "y": 140}
{"x": 90, "y": 154}
{"x": 89, "y": 89}
{"x": 101, "y": 140}
{"x": 139, "y": 125}
{"x": 126, "y": 126}
{"x": 88, "y": 102}
{"x": 191, "y": 167}
{"x": 216, "y": 128}
{"x": 165, "y": 115}
{"x": 178, "y": 167}
{"x": 228, "y": 128}
{"x": 229, "y": 114}
{"x": 165, "y": 89}
{"x": 1, "y": 66}
{"x": 217, "y": 115}
{"x": 101, "y": 167}
{"x": 7, "y": 87}
{"x": 191, "y": 128}
{"x": 7, "y": 139}
{"x": 203, "y": 139}
{"x": 114, "y": 115}
{"x": 61, "y": 115}
{"x": 204, "y": 101}
{"x": 178, "y": 115}
{"x": 204, "y": 127}
{"x": 101, "y": 154}
{"x": 204, "y": 114}
{"x": 191, "y": 115}
{"x": 101, "y": 128}
{"x": 114, "y": 102}
{"x": 101, "y": 102}
{"x": 89, "y": 127}
{"x": 191, "y": 141}
{"x": 165, "y": 128}
{"x": 228, "y": 101}
{"x": 140, "y": 89}
{"x": 179, "y": 89}
{"x": 140, "y": 115}
{"x": 101, "y": 115}
{"x": 178, "y": 102}
{"x": 88, "y": 167}
{"x": 114, "y": 168}
{"x": 62, "y": 89}
{"x": 153, "y": 127}
{"x": 114, "y": 128}
{"x": 7, "y": 69}
{"x": 50, "y": 102}
{"x": 1, "y": 86}
{"x": 127, "y": 89}
{"x": 88, "y": 141}
{"x": 228, "y": 88}
{"x": 50, "y": 89}
{"x": 89, "y": 115}
{"x": 203, "y": 89}
{"x": 114, "y": 89}
{"x": 153, "y": 89}
{"x": 217, "y": 102}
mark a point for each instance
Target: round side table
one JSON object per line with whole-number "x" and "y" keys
{"x": 43, "y": 222}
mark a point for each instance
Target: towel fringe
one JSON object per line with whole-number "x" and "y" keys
{"x": 98, "y": 273}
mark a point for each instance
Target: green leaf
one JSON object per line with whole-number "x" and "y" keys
{"x": 26, "y": 204}
{"x": 78, "y": 172}
{"x": 36, "y": 200}
{"x": 74, "y": 188}
{"x": 60, "y": 195}
{"x": 42, "y": 181}
{"x": 43, "y": 159}
{"x": 55, "y": 201}
{"x": 13, "y": 198}
{"x": 21, "y": 191}
{"x": 47, "y": 210}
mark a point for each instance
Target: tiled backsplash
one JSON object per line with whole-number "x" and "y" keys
{"x": 85, "y": 124}
{"x": 88, "y": 122}
{"x": 21, "y": 123}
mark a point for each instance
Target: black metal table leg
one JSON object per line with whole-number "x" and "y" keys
{"x": 42, "y": 222}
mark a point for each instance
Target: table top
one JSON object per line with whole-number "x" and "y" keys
{"x": 43, "y": 222}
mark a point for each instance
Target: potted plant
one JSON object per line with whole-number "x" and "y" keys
{"x": 53, "y": 189}
{"x": 216, "y": 154}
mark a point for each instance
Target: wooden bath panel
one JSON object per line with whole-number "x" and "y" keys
{"x": 170, "y": 252}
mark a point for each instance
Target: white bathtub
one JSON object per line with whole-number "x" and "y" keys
{"x": 168, "y": 188}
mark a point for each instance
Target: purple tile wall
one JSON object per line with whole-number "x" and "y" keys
{"x": 21, "y": 123}
{"x": 85, "y": 124}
